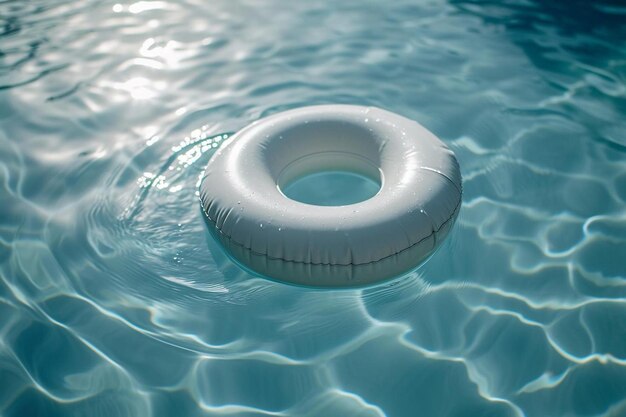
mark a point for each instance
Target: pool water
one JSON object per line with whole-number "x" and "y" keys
{"x": 116, "y": 301}
{"x": 331, "y": 188}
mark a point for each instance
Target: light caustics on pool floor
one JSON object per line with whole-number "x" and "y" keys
{"x": 115, "y": 301}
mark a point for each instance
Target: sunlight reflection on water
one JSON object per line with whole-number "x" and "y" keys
{"x": 115, "y": 300}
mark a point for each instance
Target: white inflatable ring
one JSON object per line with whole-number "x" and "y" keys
{"x": 356, "y": 244}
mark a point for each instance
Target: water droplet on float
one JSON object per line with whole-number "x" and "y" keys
{"x": 261, "y": 225}
{"x": 280, "y": 228}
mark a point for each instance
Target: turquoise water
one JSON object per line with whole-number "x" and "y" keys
{"x": 115, "y": 301}
{"x": 331, "y": 188}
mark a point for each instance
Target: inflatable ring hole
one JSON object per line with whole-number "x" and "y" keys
{"x": 330, "y": 179}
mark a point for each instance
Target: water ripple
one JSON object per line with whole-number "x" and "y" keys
{"x": 115, "y": 300}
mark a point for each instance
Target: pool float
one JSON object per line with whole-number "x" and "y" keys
{"x": 382, "y": 237}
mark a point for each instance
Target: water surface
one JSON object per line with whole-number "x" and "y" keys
{"x": 115, "y": 301}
